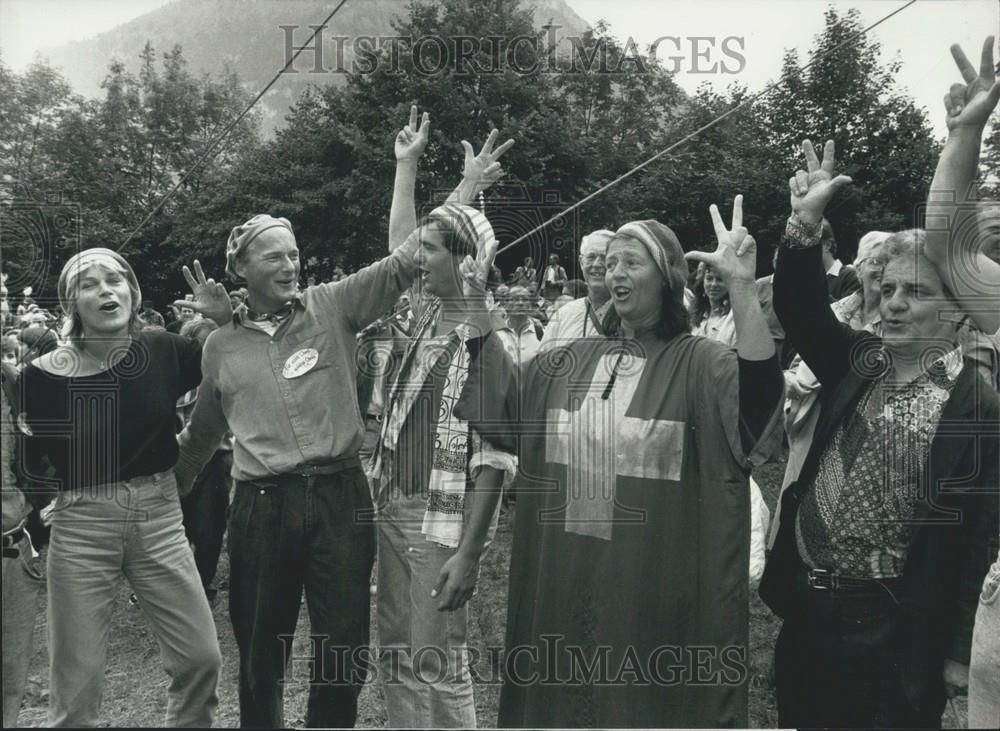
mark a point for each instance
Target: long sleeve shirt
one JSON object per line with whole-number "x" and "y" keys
{"x": 943, "y": 560}
{"x": 109, "y": 426}
{"x": 290, "y": 398}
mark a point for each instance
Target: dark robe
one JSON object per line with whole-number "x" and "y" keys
{"x": 631, "y": 540}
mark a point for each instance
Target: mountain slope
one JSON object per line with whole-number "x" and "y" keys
{"x": 245, "y": 36}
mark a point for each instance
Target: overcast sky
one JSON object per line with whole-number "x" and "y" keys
{"x": 920, "y": 35}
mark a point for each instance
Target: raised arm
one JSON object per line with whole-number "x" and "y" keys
{"x": 952, "y": 240}
{"x": 410, "y": 145}
{"x": 761, "y": 385}
{"x": 735, "y": 260}
{"x": 480, "y": 171}
{"x": 800, "y": 294}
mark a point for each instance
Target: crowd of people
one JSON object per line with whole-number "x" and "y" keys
{"x": 393, "y": 411}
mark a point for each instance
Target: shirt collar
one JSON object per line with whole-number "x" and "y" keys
{"x": 529, "y": 326}
{"x": 834, "y": 270}
{"x": 243, "y": 312}
{"x": 942, "y": 372}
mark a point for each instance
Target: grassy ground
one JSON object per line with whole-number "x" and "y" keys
{"x": 135, "y": 693}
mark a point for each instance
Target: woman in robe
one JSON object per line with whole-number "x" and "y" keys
{"x": 628, "y": 600}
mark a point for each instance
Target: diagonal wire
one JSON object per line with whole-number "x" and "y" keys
{"x": 750, "y": 100}
{"x": 210, "y": 151}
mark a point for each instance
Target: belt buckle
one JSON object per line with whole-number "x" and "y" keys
{"x": 308, "y": 470}
{"x": 822, "y": 579}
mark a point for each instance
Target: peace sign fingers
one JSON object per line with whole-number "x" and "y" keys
{"x": 191, "y": 281}
{"x": 737, "y": 212}
{"x": 210, "y": 297}
{"x": 720, "y": 228}
{"x": 488, "y": 145}
{"x": 199, "y": 272}
{"x": 502, "y": 149}
{"x": 412, "y": 139}
{"x": 829, "y": 157}
{"x": 986, "y": 68}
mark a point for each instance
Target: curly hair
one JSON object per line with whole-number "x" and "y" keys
{"x": 702, "y": 304}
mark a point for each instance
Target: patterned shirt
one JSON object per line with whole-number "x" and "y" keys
{"x": 856, "y": 519}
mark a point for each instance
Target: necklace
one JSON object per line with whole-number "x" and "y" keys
{"x": 115, "y": 353}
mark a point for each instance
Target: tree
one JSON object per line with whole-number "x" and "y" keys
{"x": 80, "y": 173}
{"x": 884, "y": 140}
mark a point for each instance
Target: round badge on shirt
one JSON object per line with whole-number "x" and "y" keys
{"x": 299, "y": 362}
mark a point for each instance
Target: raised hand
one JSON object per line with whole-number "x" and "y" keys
{"x": 483, "y": 169}
{"x": 735, "y": 258}
{"x": 970, "y": 104}
{"x": 210, "y": 297}
{"x": 412, "y": 140}
{"x": 475, "y": 272}
{"x": 813, "y": 190}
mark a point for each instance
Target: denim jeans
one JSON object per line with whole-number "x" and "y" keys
{"x": 285, "y": 534}
{"x": 205, "y": 509}
{"x": 131, "y": 528}
{"x": 22, "y": 585}
{"x": 423, "y": 652}
{"x": 984, "y": 670}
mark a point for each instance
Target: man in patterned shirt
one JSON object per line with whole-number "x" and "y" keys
{"x": 883, "y": 541}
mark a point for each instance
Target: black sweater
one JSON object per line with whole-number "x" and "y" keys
{"x": 113, "y": 425}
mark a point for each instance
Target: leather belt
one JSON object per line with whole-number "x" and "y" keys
{"x": 824, "y": 580}
{"x": 307, "y": 471}
{"x": 327, "y": 468}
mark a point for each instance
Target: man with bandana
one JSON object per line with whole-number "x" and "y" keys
{"x": 282, "y": 379}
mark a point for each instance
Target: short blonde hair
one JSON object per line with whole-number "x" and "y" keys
{"x": 69, "y": 287}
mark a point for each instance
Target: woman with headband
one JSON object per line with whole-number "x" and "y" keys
{"x": 628, "y": 600}
{"x": 100, "y": 409}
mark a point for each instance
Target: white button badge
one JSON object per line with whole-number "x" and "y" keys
{"x": 299, "y": 362}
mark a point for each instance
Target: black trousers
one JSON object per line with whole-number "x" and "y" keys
{"x": 205, "y": 509}
{"x": 836, "y": 665}
{"x": 287, "y": 534}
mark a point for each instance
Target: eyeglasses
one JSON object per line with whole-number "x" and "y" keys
{"x": 592, "y": 258}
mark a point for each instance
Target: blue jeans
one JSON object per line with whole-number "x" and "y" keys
{"x": 131, "y": 528}
{"x": 984, "y": 670}
{"x": 422, "y": 652}
{"x": 22, "y": 585}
